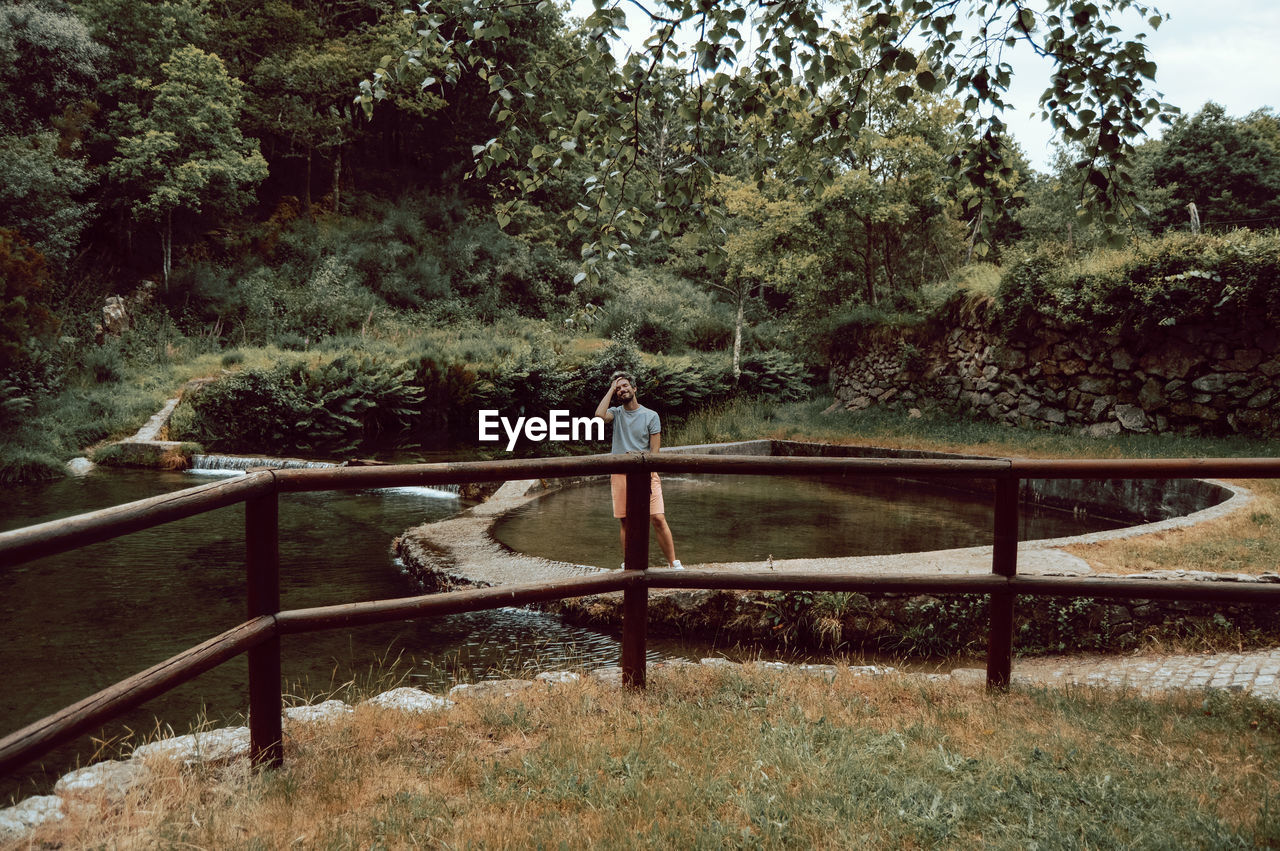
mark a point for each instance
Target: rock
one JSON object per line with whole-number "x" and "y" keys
{"x": 610, "y": 676}
{"x": 914, "y": 414}
{"x": 1262, "y": 398}
{"x": 1096, "y": 386}
{"x": 329, "y": 710}
{"x": 1151, "y": 396}
{"x": 1241, "y": 360}
{"x": 1008, "y": 359}
{"x": 111, "y": 780}
{"x": 556, "y": 678}
{"x": 1132, "y": 418}
{"x": 225, "y": 743}
{"x": 80, "y": 466}
{"x": 1099, "y": 407}
{"x": 1214, "y": 382}
{"x": 1175, "y": 361}
{"x": 18, "y": 820}
{"x": 1099, "y": 430}
{"x": 115, "y": 317}
{"x": 1073, "y": 366}
{"x": 489, "y": 689}
{"x": 969, "y": 676}
{"x": 409, "y": 699}
{"x": 1121, "y": 360}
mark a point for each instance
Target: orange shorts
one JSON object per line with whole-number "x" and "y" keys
{"x": 618, "y": 482}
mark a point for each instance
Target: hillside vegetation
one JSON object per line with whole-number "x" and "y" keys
{"x": 366, "y": 280}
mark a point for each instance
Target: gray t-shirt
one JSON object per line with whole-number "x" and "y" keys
{"x": 631, "y": 429}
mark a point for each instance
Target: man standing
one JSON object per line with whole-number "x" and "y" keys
{"x": 636, "y": 429}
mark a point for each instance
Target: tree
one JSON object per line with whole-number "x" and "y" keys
{"x": 140, "y": 37}
{"x": 305, "y": 99}
{"x": 184, "y": 151}
{"x": 42, "y": 194}
{"x": 48, "y": 64}
{"x": 25, "y": 319}
{"x": 1095, "y": 95}
{"x": 1229, "y": 168}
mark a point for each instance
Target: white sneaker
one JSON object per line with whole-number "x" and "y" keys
{"x": 676, "y": 565}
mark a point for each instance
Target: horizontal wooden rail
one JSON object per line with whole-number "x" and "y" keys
{"x": 812, "y": 580}
{"x": 64, "y": 725}
{"x": 854, "y": 467}
{"x": 1208, "y": 591}
{"x": 1144, "y": 468}
{"x": 968, "y": 583}
{"x": 426, "y": 475}
{"x": 452, "y": 603}
{"x": 69, "y": 533}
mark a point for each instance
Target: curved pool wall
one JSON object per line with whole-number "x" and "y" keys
{"x": 462, "y": 551}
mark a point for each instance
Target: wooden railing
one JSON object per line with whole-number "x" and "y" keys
{"x": 259, "y": 636}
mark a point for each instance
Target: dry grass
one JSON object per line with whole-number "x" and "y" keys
{"x": 715, "y": 758}
{"x": 1242, "y": 542}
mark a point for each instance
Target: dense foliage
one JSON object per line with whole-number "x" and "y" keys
{"x": 707, "y": 215}
{"x": 1174, "y": 280}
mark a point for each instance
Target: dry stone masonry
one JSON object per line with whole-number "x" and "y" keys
{"x": 1193, "y": 379}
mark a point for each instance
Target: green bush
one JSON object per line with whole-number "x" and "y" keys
{"x": 775, "y": 375}
{"x": 1155, "y": 283}
{"x": 666, "y": 314}
{"x": 448, "y": 391}
{"x": 344, "y": 404}
{"x": 21, "y": 465}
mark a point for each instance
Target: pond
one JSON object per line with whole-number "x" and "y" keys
{"x": 78, "y": 622}
{"x": 752, "y": 518}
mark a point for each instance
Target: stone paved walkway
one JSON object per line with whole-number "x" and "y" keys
{"x": 1256, "y": 672}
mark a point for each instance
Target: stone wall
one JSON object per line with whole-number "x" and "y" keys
{"x": 1194, "y": 379}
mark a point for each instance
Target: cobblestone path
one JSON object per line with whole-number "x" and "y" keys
{"x": 1255, "y": 672}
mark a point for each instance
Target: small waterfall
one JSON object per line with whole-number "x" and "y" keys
{"x": 231, "y": 465}
{"x": 240, "y": 463}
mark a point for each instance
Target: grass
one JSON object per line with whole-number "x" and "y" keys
{"x": 1244, "y": 542}
{"x": 738, "y": 758}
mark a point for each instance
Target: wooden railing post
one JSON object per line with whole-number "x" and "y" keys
{"x": 1004, "y": 562}
{"x": 635, "y": 600}
{"x": 266, "y": 702}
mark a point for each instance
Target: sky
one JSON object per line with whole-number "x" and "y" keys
{"x": 1225, "y": 51}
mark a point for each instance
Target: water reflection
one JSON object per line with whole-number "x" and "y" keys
{"x": 750, "y": 518}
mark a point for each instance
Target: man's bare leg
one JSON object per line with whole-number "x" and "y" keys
{"x": 665, "y": 542}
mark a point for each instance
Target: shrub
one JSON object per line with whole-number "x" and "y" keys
{"x": 448, "y": 391}
{"x": 337, "y": 406}
{"x": 1162, "y": 282}
{"x": 103, "y": 364}
{"x": 21, "y": 465}
{"x": 775, "y": 375}
{"x": 665, "y": 314}
{"x": 680, "y": 385}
